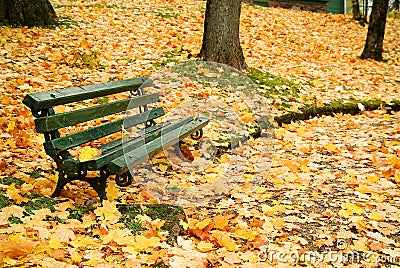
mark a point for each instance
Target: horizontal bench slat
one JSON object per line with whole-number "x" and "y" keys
{"x": 44, "y": 100}
{"x": 76, "y": 139}
{"x": 123, "y": 163}
{"x": 129, "y": 145}
{"x": 57, "y": 121}
{"x": 115, "y": 143}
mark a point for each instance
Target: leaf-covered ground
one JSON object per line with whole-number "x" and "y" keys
{"x": 332, "y": 195}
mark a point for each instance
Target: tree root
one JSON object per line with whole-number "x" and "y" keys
{"x": 351, "y": 106}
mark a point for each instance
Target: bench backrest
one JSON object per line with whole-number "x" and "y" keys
{"x": 49, "y": 123}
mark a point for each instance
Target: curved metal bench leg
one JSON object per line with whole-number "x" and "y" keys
{"x": 100, "y": 184}
{"x": 61, "y": 182}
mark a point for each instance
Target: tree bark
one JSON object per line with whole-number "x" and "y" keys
{"x": 376, "y": 31}
{"x": 26, "y": 13}
{"x": 221, "y": 41}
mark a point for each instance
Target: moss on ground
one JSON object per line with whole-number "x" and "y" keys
{"x": 171, "y": 214}
{"x": 350, "y": 106}
{"x": 273, "y": 85}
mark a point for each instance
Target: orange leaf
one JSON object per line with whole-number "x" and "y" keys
{"x": 220, "y": 222}
{"x": 17, "y": 250}
{"x": 278, "y": 223}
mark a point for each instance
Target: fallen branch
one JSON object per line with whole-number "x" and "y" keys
{"x": 351, "y": 106}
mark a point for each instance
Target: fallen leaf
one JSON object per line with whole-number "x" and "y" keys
{"x": 15, "y": 250}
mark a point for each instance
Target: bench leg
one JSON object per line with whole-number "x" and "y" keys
{"x": 99, "y": 184}
{"x": 61, "y": 182}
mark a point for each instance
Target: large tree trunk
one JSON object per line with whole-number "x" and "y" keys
{"x": 376, "y": 31}
{"x": 221, "y": 34}
{"x": 26, "y": 13}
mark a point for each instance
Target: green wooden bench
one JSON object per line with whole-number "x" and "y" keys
{"x": 117, "y": 156}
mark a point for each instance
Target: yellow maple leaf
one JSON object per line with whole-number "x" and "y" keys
{"x": 204, "y": 246}
{"x": 303, "y": 165}
{"x": 88, "y": 153}
{"x": 143, "y": 243}
{"x": 396, "y": 178}
{"x": 12, "y": 210}
{"x": 353, "y": 207}
{"x": 292, "y": 165}
{"x": 306, "y": 149}
{"x": 220, "y": 222}
{"x": 247, "y": 117}
{"x": 13, "y": 193}
{"x": 203, "y": 224}
{"x": 225, "y": 158}
{"x": 279, "y": 132}
{"x": 76, "y": 258}
{"x": 55, "y": 243}
{"x": 348, "y": 209}
{"x": 331, "y": 147}
{"x": 278, "y": 223}
{"x": 184, "y": 224}
{"x": 27, "y": 188}
{"x": 224, "y": 240}
{"x": 245, "y": 234}
{"x": 371, "y": 179}
{"x": 260, "y": 190}
{"x": 359, "y": 245}
{"x": 63, "y": 233}
{"x": 83, "y": 242}
{"x": 362, "y": 188}
{"x": 112, "y": 191}
{"x": 300, "y": 130}
{"x": 375, "y": 216}
{"x": 10, "y": 126}
{"x": 108, "y": 211}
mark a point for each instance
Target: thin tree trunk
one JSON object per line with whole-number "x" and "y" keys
{"x": 356, "y": 9}
{"x": 26, "y": 13}
{"x": 376, "y": 31}
{"x": 396, "y": 5}
{"x": 221, "y": 34}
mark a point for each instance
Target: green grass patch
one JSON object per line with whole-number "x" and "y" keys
{"x": 14, "y": 220}
{"x": 67, "y": 22}
{"x": 98, "y": 5}
{"x": 79, "y": 211}
{"x": 169, "y": 56}
{"x": 166, "y": 12}
{"x": 169, "y": 213}
{"x": 11, "y": 180}
{"x": 134, "y": 225}
{"x": 37, "y": 202}
{"x": 87, "y": 59}
{"x": 4, "y": 201}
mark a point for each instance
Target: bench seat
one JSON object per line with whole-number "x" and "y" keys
{"x": 119, "y": 155}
